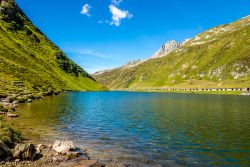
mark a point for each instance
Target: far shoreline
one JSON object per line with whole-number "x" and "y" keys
{"x": 205, "y": 91}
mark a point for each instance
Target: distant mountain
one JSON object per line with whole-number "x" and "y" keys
{"x": 166, "y": 49}
{"x": 28, "y": 58}
{"x": 218, "y": 57}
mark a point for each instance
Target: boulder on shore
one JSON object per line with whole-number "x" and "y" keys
{"x": 63, "y": 147}
{"x": 24, "y": 151}
{"x": 4, "y": 151}
{"x": 11, "y": 115}
{"x": 3, "y": 108}
{"x": 40, "y": 147}
{"x": 29, "y": 101}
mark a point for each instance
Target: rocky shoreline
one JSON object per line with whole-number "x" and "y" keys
{"x": 61, "y": 153}
{"x": 9, "y": 102}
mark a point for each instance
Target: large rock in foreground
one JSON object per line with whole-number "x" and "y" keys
{"x": 63, "y": 147}
{"x": 24, "y": 151}
{"x": 4, "y": 151}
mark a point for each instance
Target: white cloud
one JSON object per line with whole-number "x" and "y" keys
{"x": 103, "y": 21}
{"x": 100, "y": 22}
{"x": 85, "y": 10}
{"x": 116, "y": 2}
{"x": 84, "y": 52}
{"x": 91, "y": 53}
{"x": 118, "y": 15}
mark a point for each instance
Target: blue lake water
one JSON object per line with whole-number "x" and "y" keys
{"x": 146, "y": 129}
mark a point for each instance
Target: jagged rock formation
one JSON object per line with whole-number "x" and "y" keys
{"x": 166, "y": 49}
{"x": 132, "y": 63}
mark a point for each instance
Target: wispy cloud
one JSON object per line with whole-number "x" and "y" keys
{"x": 116, "y": 2}
{"x": 92, "y": 53}
{"x": 86, "y": 52}
{"x": 103, "y": 21}
{"x": 85, "y": 10}
{"x": 118, "y": 15}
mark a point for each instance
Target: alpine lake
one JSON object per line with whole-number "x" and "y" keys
{"x": 145, "y": 129}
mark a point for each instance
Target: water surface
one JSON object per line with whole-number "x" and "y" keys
{"x": 146, "y": 128}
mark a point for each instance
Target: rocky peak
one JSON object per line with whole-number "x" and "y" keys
{"x": 166, "y": 49}
{"x": 185, "y": 41}
{"x": 7, "y": 3}
{"x": 11, "y": 13}
{"x": 132, "y": 63}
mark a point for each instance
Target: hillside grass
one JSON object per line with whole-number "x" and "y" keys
{"x": 220, "y": 60}
{"x": 27, "y": 55}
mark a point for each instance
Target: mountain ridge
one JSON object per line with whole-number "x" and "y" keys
{"x": 218, "y": 57}
{"x": 164, "y": 50}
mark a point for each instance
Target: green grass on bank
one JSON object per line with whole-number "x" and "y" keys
{"x": 8, "y": 135}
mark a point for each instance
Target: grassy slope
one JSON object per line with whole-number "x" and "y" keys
{"x": 27, "y": 55}
{"x": 219, "y": 57}
{"x": 8, "y": 135}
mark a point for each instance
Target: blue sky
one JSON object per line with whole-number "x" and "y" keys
{"x": 101, "y": 34}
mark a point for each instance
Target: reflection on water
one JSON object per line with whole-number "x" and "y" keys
{"x": 170, "y": 129}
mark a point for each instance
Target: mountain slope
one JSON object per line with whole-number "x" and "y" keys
{"x": 219, "y": 57}
{"x": 30, "y": 58}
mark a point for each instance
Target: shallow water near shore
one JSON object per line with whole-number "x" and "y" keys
{"x": 145, "y": 128}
